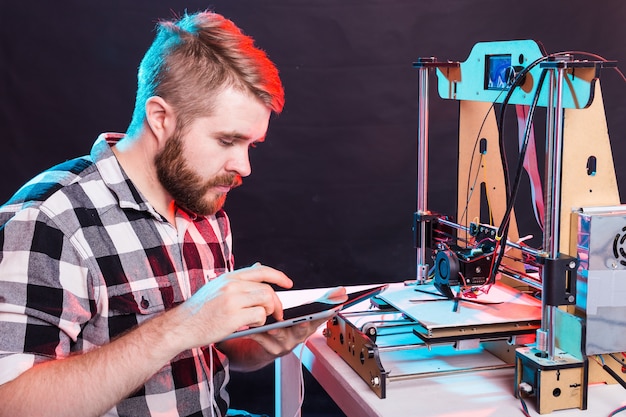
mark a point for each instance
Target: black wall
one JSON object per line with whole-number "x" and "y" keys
{"x": 332, "y": 193}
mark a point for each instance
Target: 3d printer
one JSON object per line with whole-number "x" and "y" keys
{"x": 544, "y": 311}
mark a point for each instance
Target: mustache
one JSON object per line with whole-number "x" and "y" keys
{"x": 227, "y": 180}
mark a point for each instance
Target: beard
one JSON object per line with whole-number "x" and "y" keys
{"x": 187, "y": 187}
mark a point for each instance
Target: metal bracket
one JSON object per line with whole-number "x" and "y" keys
{"x": 559, "y": 276}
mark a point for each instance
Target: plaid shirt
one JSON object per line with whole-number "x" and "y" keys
{"x": 85, "y": 258}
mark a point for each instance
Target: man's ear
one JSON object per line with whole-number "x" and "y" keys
{"x": 160, "y": 118}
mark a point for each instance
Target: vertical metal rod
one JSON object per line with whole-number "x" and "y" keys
{"x": 422, "y": 171}
{"x": 557, "y": 164}
{"x": 546, "y": 313}
{"x": 551, "y": 235}
{"x": 549, "y": 180}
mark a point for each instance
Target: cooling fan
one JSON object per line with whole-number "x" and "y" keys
{"x": 619, "y": 246}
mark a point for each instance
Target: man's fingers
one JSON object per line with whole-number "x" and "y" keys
{"x": 260, "y": 313}
{"x": 335, "y": 296}
{"x": 263, "y": 273}
{"x": 278, "y": 308}
{"x": 267, "y": 298}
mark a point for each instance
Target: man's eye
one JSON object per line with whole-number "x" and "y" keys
{"x": 226, "y": 142}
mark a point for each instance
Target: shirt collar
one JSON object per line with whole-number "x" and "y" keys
{"x": 114, "y": 176}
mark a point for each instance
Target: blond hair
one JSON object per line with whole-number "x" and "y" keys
{"x": 191, "y": 59}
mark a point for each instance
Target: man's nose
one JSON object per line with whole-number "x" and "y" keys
{"x": 240, "y": 163}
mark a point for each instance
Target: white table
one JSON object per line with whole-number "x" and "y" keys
{"x": 470, "y": 394}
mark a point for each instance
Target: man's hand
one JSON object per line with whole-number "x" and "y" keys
{"x": 278, "y": 342}
{"x": 235, "y": 300}
{"x": 253, "y": 352}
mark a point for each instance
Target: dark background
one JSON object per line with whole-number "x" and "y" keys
{"x": 332, "y": 193}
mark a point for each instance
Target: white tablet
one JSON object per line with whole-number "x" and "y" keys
{"x": 315, "y": 310}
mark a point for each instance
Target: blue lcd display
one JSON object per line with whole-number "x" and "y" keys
{"x": 497, "y": 72}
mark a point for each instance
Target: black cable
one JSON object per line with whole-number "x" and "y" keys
{"x": 511, "y": 192}
{"x": 614, "y": 375}
{"x": 476, "y": 142}
{"x": 596, "y": 56}
{"x": 523, "y": 149}
{"x": 503, "y": 229}
{"x": 516, "y": 83}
